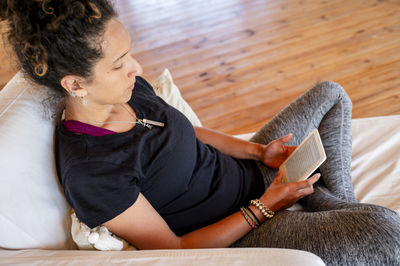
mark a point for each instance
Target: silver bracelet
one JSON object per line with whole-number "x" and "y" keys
{"x": 263, "y": 209}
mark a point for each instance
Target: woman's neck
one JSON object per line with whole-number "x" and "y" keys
{"x": 90, "y": 114}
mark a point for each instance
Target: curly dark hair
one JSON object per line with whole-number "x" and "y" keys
{"x": 55, "y": 38}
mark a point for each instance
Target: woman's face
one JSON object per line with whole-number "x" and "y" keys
{"x": 114, "y": 75}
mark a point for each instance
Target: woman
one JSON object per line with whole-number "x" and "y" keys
{"x": 130, "y": 162}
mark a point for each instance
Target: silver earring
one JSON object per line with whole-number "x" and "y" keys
{"x": 72, "y": 94}
{"x": 84, "y": 102}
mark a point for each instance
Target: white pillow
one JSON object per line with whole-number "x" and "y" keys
{"x": 165, "y": 88}
{"x": 33, "y": 210}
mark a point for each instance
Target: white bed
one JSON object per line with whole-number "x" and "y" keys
{"x": 34, "y": 216}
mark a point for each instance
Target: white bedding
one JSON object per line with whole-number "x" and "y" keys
{"x": 375, "y": 164}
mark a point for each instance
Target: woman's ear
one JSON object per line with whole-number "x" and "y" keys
{"x": 71, "y": 84}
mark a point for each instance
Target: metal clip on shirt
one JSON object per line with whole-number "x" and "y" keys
{"x": 149, "y": 123}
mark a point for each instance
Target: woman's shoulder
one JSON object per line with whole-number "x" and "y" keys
{"x": 146, "y": 102}
{"x": 142, "y": 85}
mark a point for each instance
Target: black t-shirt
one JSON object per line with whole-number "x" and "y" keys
{"x": 189, "y": 183}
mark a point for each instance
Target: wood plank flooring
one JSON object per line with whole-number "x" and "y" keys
{"x": 239, "y": 62}
{"x": 8, "y": 65}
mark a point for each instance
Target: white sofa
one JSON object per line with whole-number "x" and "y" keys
{"x": 34, "y": 216}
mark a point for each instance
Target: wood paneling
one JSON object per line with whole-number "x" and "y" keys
{"x": 239, "y": 62}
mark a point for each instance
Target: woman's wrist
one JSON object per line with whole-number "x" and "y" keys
{"x": 256, "y": 151}
{"x": 266, "y": 212}
{"x": 258, "y": 213}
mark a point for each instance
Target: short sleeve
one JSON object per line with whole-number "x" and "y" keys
{"x": 100, "y": 191}
{"x": 145, "y": 86}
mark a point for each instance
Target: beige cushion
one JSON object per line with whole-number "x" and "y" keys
{"x": 198, "y": 257}
{"x": 375, "y": 166}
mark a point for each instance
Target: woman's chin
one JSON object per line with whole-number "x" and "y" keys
{"x": 128, "y": 96}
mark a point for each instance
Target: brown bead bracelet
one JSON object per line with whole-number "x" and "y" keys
{"x": 263, "y": 209}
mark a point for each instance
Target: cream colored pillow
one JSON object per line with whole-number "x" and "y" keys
{"x": 165, "y": 88}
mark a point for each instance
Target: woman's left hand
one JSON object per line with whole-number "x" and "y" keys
{"x": 276, "y": 152}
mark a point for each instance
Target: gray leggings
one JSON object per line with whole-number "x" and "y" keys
{"x": 333, "y": 226}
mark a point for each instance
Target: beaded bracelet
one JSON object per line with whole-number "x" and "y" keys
{"x": 255, "y": 217}
{"x": 264, "y": 209}
{"x": 250, "y": 220}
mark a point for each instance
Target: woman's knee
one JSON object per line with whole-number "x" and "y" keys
{"x": 331, "y": 89}
{"x": 371, "y": 233}
{"x": 383, "y": 220}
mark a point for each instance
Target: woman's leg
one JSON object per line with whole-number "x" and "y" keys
{"x": 327, "y": 107}
{"x": 344, "y": 232}
{"x": 362, "y": 235}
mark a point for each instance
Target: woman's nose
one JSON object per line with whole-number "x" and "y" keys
{"x": 135, "y": 68}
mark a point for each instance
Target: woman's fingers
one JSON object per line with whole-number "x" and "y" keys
{"x": 305, "y": 187}
{"x": 286, "y": 138}
{"x": 285, "y": 148}
{"x": 309, "y": 182}
{"x": 279, "y": 196}
{"x": 313, "y": 179}
{"x": 291, "y": 149}
{"x": 278, "y": 178}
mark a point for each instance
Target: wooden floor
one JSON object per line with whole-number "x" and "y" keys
{"x": 238, "y": 62}
{"x": 8, "y": 65}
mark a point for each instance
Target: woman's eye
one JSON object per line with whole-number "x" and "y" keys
{"x": 119, "y": 67}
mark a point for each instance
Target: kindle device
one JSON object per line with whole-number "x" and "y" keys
{"x": 305, "y": 159}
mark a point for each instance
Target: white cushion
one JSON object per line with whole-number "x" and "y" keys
{"x": 375, "y": 166}
{"x": 165, "y": 87}
{"x": 192, "y": 257}
{"x": 33, "y": 211}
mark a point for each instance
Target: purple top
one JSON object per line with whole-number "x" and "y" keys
{"x": 85, "y": 129}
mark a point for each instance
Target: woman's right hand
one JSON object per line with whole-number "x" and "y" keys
{"x": 279, "y": 196}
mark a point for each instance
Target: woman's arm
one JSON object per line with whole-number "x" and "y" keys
{"x": 229, "y": 145}
{"x": 144, "y": 228}
{"x": 272, "y": 154}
